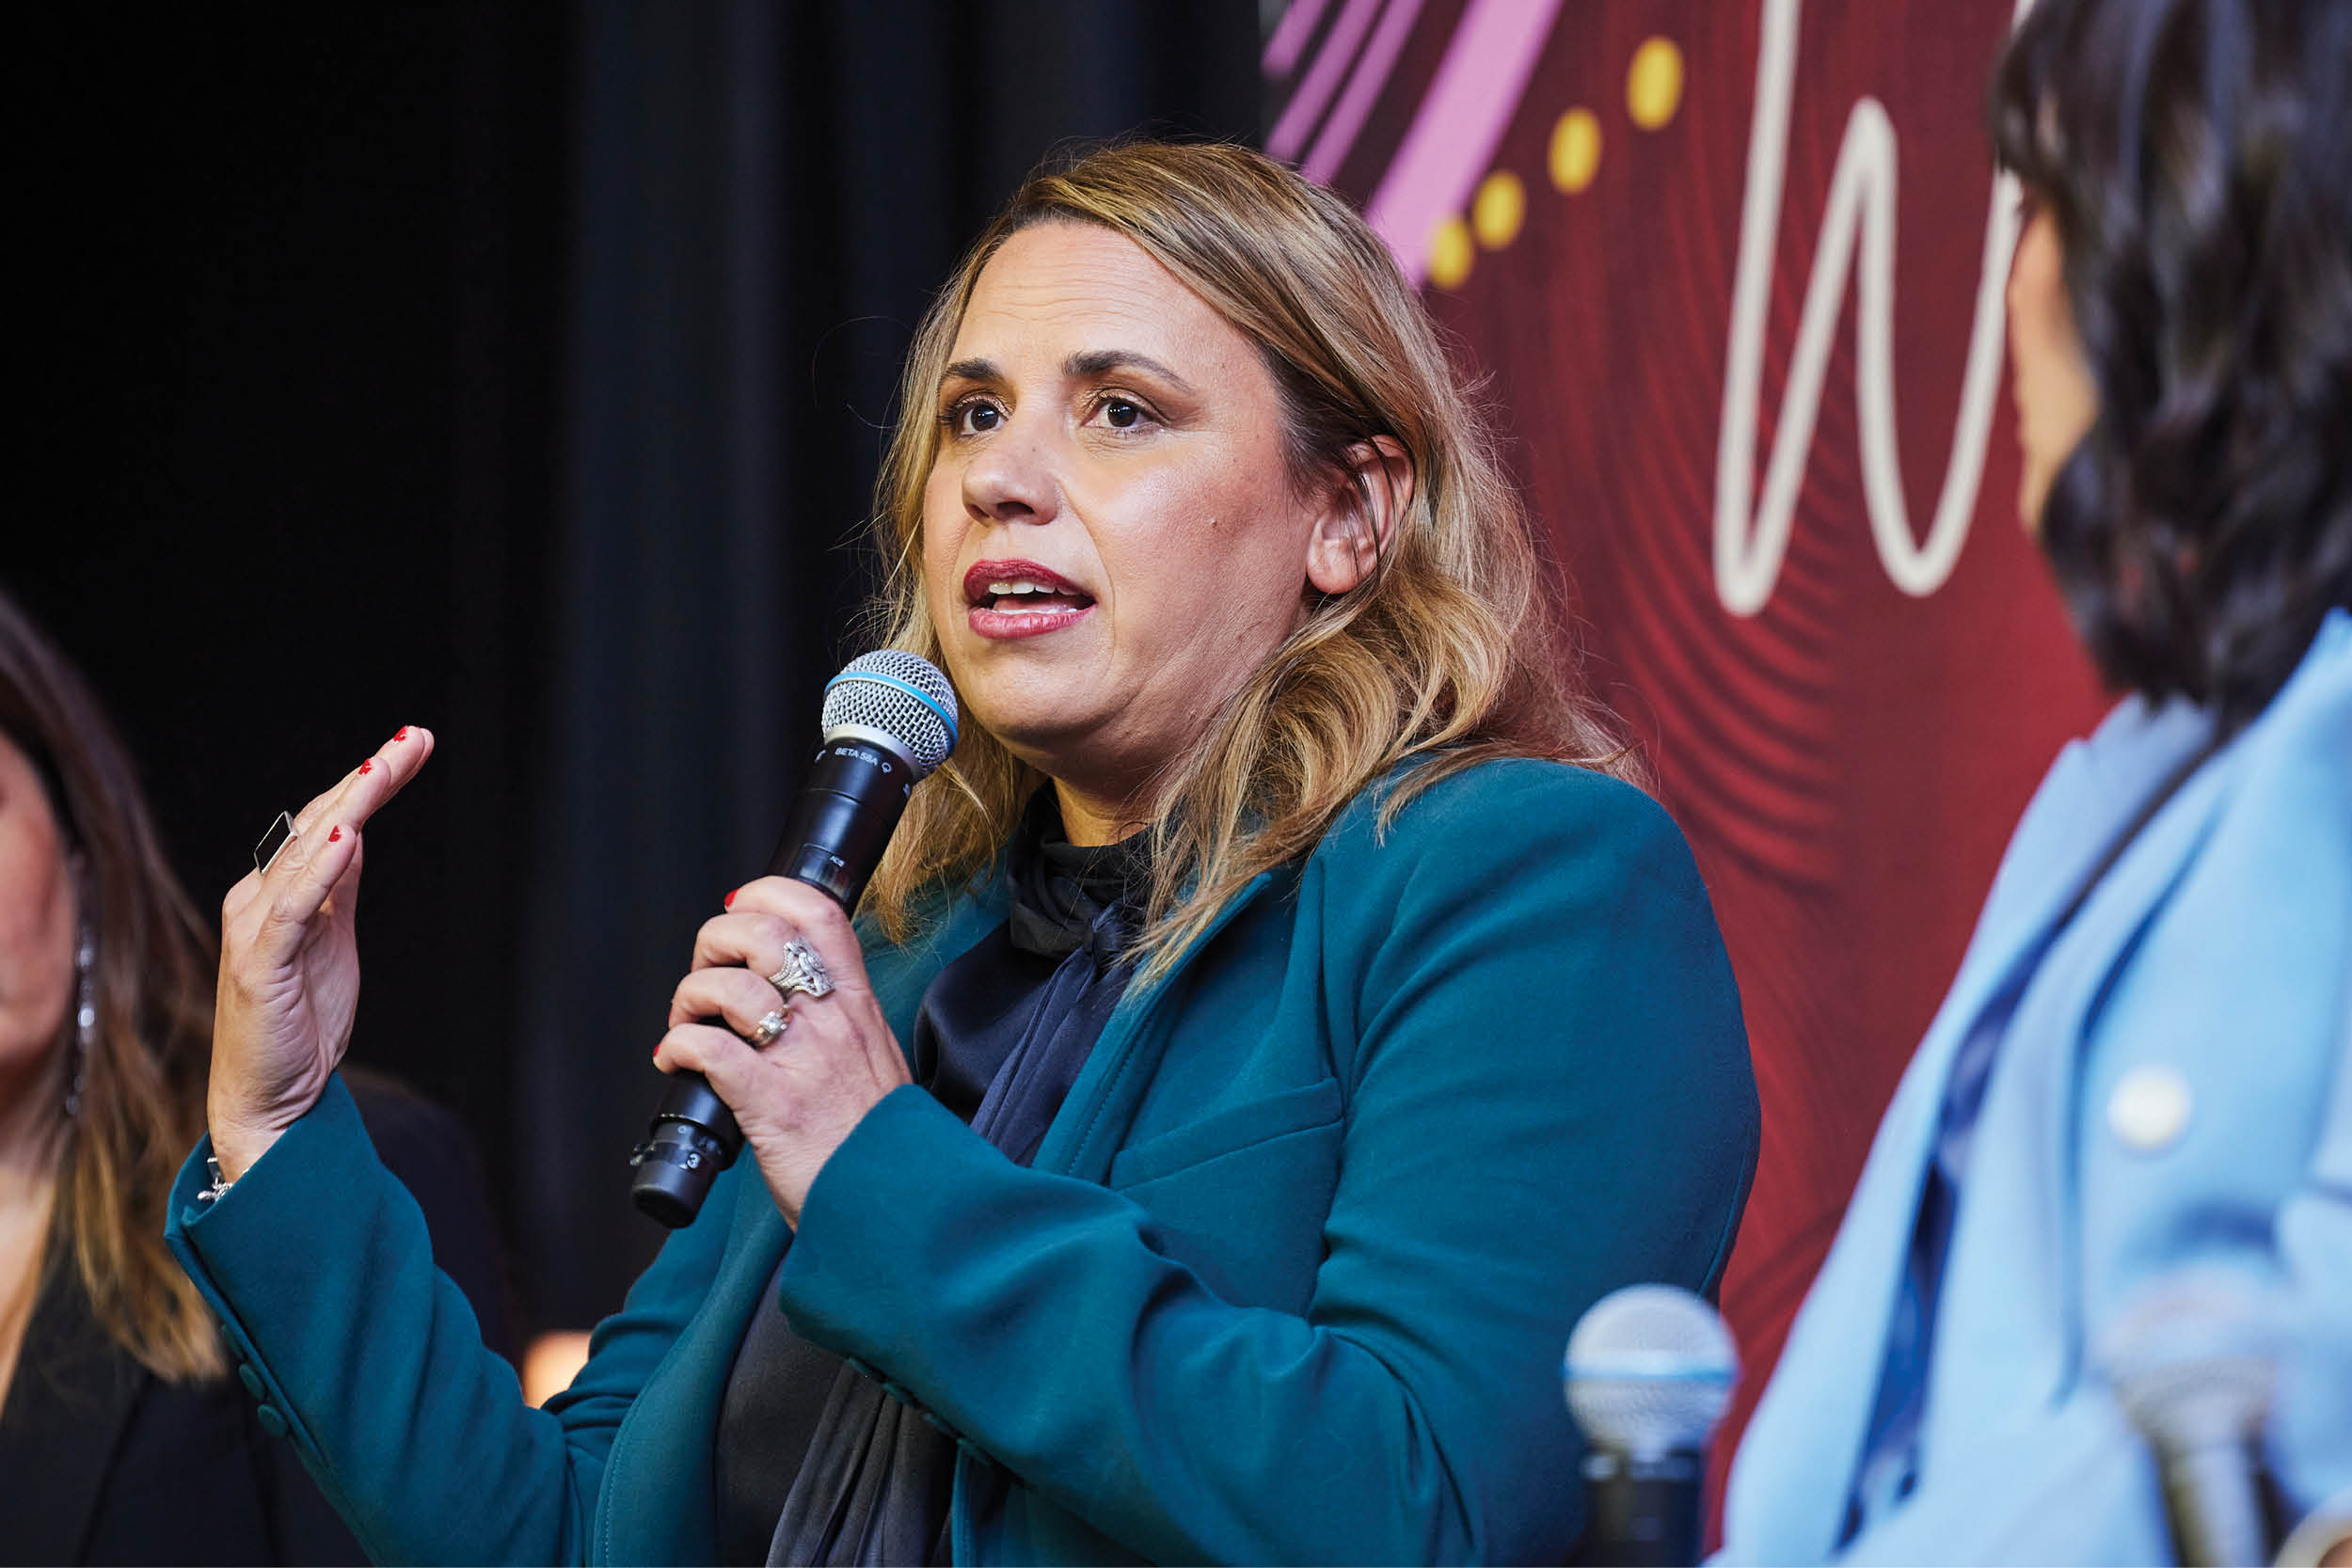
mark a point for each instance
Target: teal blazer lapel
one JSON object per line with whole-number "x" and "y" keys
{"x": 899, "y": 975}
{"x": 1094, "y": 1116}
{"x": 656, "y": 1502}
{"x": 656, "y": 1505}
{"x": 1087, "y": 1130}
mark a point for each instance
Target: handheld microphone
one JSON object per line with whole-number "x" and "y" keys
{"x": 1649, "y": 1371}
{"x": 889, "y": 719}
{"x": 2192, "y": 1362}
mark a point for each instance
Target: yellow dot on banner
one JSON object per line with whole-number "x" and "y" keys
{"x": 1574, "y": 150}
{"x": 1449, "y": 253}
{"x": 1499, "y": 209}
{"x": 1653, "y": 87}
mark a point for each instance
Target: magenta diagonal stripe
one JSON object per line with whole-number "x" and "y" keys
{"x": 1364, "y": 90}
{"x": 1290, "y": 37}
{"x": 1322, "y": 79}
{"x": 1460, "y": 121}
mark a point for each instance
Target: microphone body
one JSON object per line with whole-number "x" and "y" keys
{"x": 1643, "y": 1512}
{"x": 1648, "y": 1372}
{"x": 855, "y": 794}
{"x": 890, "y": 719}
{"x": 2192, "y": 1363}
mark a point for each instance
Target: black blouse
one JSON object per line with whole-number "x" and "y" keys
{"x": 815, "y": 1461}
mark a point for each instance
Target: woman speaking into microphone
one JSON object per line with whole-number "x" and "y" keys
{"x": 1269, "y": 1030}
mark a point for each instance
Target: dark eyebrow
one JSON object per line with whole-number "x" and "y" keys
{"x": 1091, "y": 365}
{"x": 1102, "y": 361}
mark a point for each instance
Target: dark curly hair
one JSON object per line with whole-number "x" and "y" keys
{"x": 2196, "y": 158}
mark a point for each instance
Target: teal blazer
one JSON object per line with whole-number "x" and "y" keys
{"x": 1288, "y": 1281}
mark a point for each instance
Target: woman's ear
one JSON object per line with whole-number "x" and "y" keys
{"x": 1360, "y": 515}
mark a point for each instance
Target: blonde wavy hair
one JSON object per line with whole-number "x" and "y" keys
{"x": 1446, "y": 655}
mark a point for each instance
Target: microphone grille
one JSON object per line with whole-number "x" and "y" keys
{"x": 1649, "y": 1370}
{"x": 2192, "y": 1360}
{"x": 899, "y": 697}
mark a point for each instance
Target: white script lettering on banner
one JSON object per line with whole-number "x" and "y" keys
{"x": 1752, "y": 536}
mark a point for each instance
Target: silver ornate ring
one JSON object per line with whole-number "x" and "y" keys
{"x": 801, "y": 970}
{"x": 764, "y": 1033}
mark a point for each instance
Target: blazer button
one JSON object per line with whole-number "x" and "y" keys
{"x": 2149, "y": 1108}
{"x": 251, "y": 1379}
{"x": 272, "y": 1422}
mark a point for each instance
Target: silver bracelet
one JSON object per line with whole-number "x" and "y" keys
{"x": 221, "y": 1183}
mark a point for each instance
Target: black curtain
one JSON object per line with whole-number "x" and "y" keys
{"x": 767, "y": 196}
{"x": 285, "y": 482}
{"x": 518, "y": 367}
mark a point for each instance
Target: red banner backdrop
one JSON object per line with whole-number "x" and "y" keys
{"x": 1734, "y": 271}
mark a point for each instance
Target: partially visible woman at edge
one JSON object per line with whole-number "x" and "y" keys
{"x": 2128, "y": 1133}
{"x": 1272, "y": 1028}
{"x": 123, "y": 1437}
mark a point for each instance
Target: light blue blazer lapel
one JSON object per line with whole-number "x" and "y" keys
{"x": 1795, "y": 1466}
{"x": 1787, "y": 1498}
{"x": 1789, "y": 1482}
{"x": 2021, "y": 1337}
{"x": 2009, "y": 1335}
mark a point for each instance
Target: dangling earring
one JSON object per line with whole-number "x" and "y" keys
{"x": 85, "y": 1016}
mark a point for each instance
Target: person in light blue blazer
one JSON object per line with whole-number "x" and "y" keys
{"x": 2141, "y": 1080}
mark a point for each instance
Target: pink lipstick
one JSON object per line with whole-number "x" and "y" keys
{"x": 1019, "y": 598}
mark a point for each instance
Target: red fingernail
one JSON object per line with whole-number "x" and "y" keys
{"x": 334, "y": 835}
{"x": 368, "y": 766}
{"x": 728, "y": 902}
{"x": 401, "y": 733}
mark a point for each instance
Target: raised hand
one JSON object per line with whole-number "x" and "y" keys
{"x": 290, "y": 961}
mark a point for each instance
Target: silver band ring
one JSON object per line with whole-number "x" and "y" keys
{"x": 281, "y": 832}
{"x": 776, "y": 1022}
{"x": 801, "y": 970}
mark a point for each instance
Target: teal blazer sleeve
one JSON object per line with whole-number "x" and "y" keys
{"x": 370, "y": 1360}
{"x": 1538, "y": 1090}
{"x": 1289, "y": 1281}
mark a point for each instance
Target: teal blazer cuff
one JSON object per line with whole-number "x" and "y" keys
{"x": 377, "y": 1384}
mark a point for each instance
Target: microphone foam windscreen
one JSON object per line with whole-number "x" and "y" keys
{"x": 895, "y": 696}
{"x": 1649, "y": 1371}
